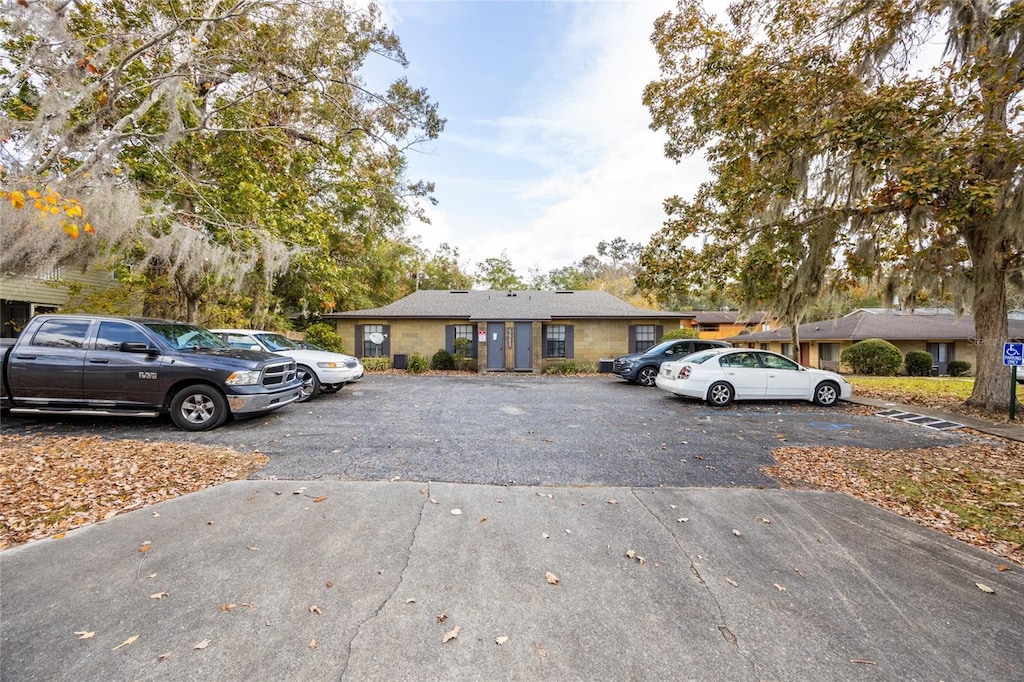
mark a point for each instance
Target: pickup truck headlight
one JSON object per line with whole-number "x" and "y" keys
{"x": 329, "y": 365}
{"x": 244, "y": 378}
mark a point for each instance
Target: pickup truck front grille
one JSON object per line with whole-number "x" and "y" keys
{"x": 278, "y": 373}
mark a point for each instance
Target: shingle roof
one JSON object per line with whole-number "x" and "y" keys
{"x": 892, "y": 325}
{"x": 508, "y": 305}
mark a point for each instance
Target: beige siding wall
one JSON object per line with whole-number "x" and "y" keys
{"x": 35, "y": 290}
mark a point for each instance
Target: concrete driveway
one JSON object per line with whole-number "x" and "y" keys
{"x": 522, "y": 430}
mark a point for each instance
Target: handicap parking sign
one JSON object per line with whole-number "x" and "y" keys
{"x": 1013, "y": 353}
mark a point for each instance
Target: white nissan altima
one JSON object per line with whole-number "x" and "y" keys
{"x": 722, "y": 375}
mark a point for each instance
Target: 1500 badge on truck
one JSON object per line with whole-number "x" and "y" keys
{"x": 139, "y": 366}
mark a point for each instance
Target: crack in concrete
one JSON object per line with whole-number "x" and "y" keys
{"x": 387, "y": 599}
{"x": 724, "y": 629}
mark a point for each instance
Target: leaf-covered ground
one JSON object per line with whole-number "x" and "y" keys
{"x": 50, "y": 485}
{"x": 974, "y": 492}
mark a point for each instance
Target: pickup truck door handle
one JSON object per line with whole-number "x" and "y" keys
{"x": 99, "y": 362}
{"x": 26, "y": 357}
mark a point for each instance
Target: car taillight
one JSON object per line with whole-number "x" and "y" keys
{"x": 684, "y": 373}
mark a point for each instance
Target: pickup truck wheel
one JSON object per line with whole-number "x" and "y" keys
{"x": 199, "y": 408}
{"x": 310, "y": 384}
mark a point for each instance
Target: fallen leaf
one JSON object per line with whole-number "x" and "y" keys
{"x": 736, "y": 532}
{"x": 410, "y": 600}
{"x": 396, "y": 479}
{"x": 483, "y": 519}
{"x": 59, "y": 536}
{"x": 500, "y": 640}
{"x": 862, "y": 661}
{"x": 545, "y": 536}
{"x": 779, "y": 587}
{"x": 442, "y": 617}
{"x": 312, "y": 644}
{"x": 613, "y": 501}
{"x": 456, "y": 512}
{"x": 433, "y": 501}
{"x": 731, "y": 581}
{"x": 330, "y": 584}
{"x": 253, "y": 549}
{"x": 452, "y": 634}
{"x": 551, "y": 578}
{"x": 673, "y": 506}
{"x": 202, "y": 645}
{"x": 316, "y": 609}
{"x": 145, "y": 547}
{"x": 682, "y": 519}
{"x": 156, "y": 515}
{"x": 130, "y": 640}
{"x": 164, "y": 657}
{"x": 985, "y": 588}
{"x": 158, "y": 595}
{"x": 227, "y": 607}
{"x": 321, "y": 498}
{"x": 82, "y": 634}
{"x": 300, "y": 491}
{"x": 1004, "y": 567}
{"x": 248, "y": 606}
{"x": 763, "y": 519}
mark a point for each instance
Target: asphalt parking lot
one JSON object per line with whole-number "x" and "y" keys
{"x": 520, "y": 430}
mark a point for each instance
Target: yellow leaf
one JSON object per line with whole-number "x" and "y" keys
{"x": 71, "y": 230}
{"x": 130, "y": 640}
{"x": 73, "y": 211}
{"x": 34, "y": 194}
{"x": 89, "y": 229}
{"x": 17, "y": 200}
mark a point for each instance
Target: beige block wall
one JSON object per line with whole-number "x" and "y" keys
{"x": 962, "y": 350}
{"x": 54, "y": 292}
{"x": 593, "y": 340}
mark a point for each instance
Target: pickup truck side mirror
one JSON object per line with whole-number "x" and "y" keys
{"x": 137, "y": 347}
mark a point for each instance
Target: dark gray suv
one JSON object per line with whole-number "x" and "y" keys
{"x": 642, "y": 368}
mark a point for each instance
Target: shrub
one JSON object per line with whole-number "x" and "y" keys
{"x": 418, "y": 364}
{"x": 874, "y": 357}
{"x": 324, "y": 334}
{"x": 571, "y": 367}
{"x": 681, "y": 333}
{"x": 958, "y": 368}
{"x": 376, "y": 364}
{"x": 442, "y": 360}
{"x": 919, "y": 363}
{"x": 462, "y": 349}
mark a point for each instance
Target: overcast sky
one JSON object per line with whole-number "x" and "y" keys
{"x": 547, "y": 149}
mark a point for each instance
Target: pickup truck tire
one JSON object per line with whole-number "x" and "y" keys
{"x": 310, "y": 384}
{"x": 199, "y": 408}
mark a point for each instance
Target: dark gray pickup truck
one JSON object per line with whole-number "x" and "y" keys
{"x": 137, "y": 366}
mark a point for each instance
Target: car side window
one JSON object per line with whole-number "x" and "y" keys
{"x": 778, "y": 362}
{"x": 112, "y": 334}
{"x": 61, "y": 333}
{"x": 740, "y": 360}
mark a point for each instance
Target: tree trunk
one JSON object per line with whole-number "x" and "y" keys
{"x": 991, "y": 329}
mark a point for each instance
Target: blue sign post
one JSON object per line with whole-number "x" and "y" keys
{"x": 1013, "y": 355}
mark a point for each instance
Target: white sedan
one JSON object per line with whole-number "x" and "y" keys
{"x": 320, "y": 370}
{"x": 722, "y": 375}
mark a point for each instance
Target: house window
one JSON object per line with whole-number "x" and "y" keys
{"x": 765, "y": 346}
{"x": 787, "y": 350}
{"x": 709, "y": 327}
{"x": 454, "y": 332}
{"x": 373, "y": 340}
{"x": 828, "y": 352}
{"x": 554, "y": 341}
{"x": 645, "y": 337}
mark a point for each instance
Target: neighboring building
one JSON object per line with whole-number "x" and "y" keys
{"x": 23, "y": 297}
{"x": 723, "y": 324}
{"x": 527, "y": 331}
{"x": 946, "y": 336}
